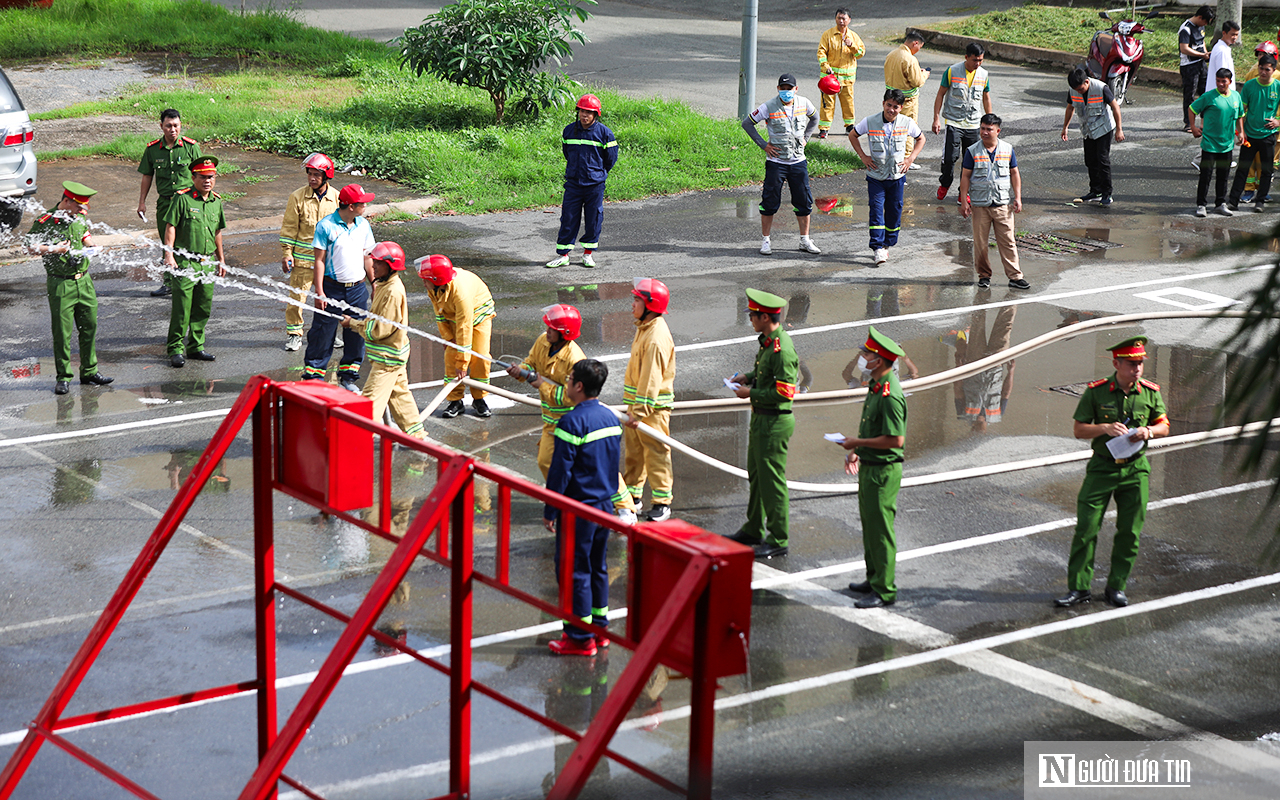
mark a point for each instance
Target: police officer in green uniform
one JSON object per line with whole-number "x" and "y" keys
{"x": 771, "y": 387}
{"x": 60, "y": 236}
{"x": 167, "y": 162}
{"x": 1123, "y": 405}
{"x": 876, "y": 456}
{"x": 193, "y": 226}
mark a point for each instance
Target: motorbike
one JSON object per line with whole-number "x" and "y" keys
{"x": 1115, "y": 53}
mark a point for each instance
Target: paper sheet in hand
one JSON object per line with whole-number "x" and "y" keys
{"x": 838, "y": 438}
{"x": 1121, "y": 447}
{"x": 735, "y": 387}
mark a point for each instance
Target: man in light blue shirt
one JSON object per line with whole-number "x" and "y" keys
{"x": 342, "y": 243}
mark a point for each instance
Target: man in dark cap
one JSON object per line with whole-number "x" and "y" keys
{"x": 771, "y": 388}
{"x": 790, "y": 120}
{"x": 876, "y": 456}
{"x": 1124, "y": 409}
{"x": 60, "y": 236}
{"x": 193, "y": 225}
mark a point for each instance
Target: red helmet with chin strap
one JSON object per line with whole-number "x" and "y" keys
{"x": 389, "y": 252}
{"x": 321, "y": 162}
{"x": 437, "y": 270}
{"x": 653, "y": 292}
{"x": 589, "y": 102}
{"x": 563, "y": 318}
{"x": 829, "y": 84}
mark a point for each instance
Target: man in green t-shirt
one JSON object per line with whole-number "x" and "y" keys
{"x": 167, "y": 163}
{"x": 876, "y": 458}
{"x": 193, "y": 226}
{"x": 1222, "y": 130}
{"x": 60, "y": 236}
{"x": 1260, "y": 97}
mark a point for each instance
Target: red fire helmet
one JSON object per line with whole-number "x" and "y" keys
{"x": 389, "y": 252}
{"x": 1267, "y": 47}
{"x": 829, "y": 84}
{"x": 589, "y": 102}
{"x": 319, "y": 161}
{"x": 563, "y": 318}
{"x": 653, "y": 292}
{"x": 436, "y": 269}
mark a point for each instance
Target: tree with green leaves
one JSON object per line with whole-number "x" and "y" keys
{"x": 500, "y": 46}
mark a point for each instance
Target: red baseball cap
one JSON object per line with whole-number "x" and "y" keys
{"x": 354, "y": 193}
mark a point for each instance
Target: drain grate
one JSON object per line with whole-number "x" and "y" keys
{"x": 1060, "y": 244}
{"x": 1071, "y": 389}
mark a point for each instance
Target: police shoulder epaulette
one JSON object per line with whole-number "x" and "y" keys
{"x": 1149, "y": 384}
{"x": 186, "y": 139}
{"x": 215, "y": 194}
{"x": 152, "y": 142}
{"x": 1098, "y": 383}
{"x": 183, "y": 191}
{"x": 46, "y": 217}
{"x": 777, "y": 345}
{"x": 885, "y": 391}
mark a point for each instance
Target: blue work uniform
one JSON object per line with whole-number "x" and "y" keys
{"x": 584, "y": 467}
{"x": 589, "y": 154}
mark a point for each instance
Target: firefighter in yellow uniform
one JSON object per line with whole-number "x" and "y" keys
{"x": 903, "y": 71}
{"x": 838, "y": 52}
{"x": 547, "y": 369}
{"x": 387, "y": 344}
{"x": 306, "y": 207}
{"x": 648, "y": 391}
{"x": 464, "y": 315}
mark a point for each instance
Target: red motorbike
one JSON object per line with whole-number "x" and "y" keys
{"x": 1116, "y": 54}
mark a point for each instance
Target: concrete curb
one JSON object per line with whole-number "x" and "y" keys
{"x": 1036, "y": 55}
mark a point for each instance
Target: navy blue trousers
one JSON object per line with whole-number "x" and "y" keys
{"x": 579, "y": 202}
{"x": 885, "y": 219}
{"x": 590, "y": 573}
{"x": 324, "y": 328}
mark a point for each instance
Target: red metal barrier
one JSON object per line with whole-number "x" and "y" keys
{"x": 690, "y": 591}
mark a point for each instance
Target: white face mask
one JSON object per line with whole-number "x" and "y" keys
{"x": 862, "y": 363}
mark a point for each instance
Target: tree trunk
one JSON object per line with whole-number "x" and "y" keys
{"x": 499, "y": 105}
{"x": 1229, "y": 10}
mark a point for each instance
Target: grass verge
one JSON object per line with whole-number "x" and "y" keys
{"x": 1071, "y": 29}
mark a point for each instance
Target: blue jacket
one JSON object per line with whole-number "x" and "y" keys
{"x": 584, "y": 464}
{"x": 589, "y": 153}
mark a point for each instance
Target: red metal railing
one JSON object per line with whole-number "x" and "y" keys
{"x": 449, "y": 507}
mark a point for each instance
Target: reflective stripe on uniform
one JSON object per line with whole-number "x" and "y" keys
{"x": 596, "y": 435}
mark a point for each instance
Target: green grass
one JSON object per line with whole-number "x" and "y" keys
{"x": 190, "y": 27}
{"x": 1071, "y": 29}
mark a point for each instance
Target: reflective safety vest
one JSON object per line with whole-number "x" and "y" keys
{"x": 963, "y": 100}
{"x": 786, "y": 126}
{"x": 888, "y": 142}
{"x": 1096, "y": 119}
{"x": 992, "y": 181}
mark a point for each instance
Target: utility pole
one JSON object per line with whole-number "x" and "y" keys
{"x": 747, "y": 65}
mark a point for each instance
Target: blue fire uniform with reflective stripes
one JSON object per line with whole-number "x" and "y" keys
{"x": 584, "y": 467}
{"x": 589, "y": 154}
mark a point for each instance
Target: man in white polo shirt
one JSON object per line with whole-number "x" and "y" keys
{"x": 342, "y": 243}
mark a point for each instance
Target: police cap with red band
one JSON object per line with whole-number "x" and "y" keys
{"x": 1130, "y": 348}
{"x": 78, "y": 192}
{"x": 204, "y": 165}
{"x": 764, "y": 302}
{"x": 882, "y": 346}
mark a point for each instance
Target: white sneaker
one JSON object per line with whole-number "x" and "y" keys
{"x": 337, "y": 337}
{"x": 1201, "y": 211}
{"x": 882, "y": 256}
{"x": 627, "y": 516}
{"x": 558, "y": 261}
{"x": 294, "y": 342}
{"x": 1224, "y": 211}
{"x": 913, "y": 166}
{"x": 807, "y": 245}
{"x": 587, "y": 260}
{"x": 765, "y": 247}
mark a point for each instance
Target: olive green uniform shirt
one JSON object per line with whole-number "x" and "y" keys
{"x": 196, "y": 220}
{"x": 55, "y": 227}
{"x": 773, "y": 381}
{"x": 884, "y": 414}
{"x": 1104, "y": 402}
{"x": 170, "y": 166}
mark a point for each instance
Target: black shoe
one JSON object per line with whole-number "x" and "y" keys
{"x": 984, "y": 283}
{"x": 822, "y": 133}
{"x": 453, "y": 409}
{"x": 861, "y": 588}
{"x": 62, "y": 387}
{"x": 1073, "y": 598}
{"x": 767, "y": 550}
{"x": 872, "y": 600}
{"x": 1117, "y": 598}
{"x": 201, "y": 355}
{"x": 659, "y": 513}
{"x": 481, "y": 408}
{"x": 177, "y": 360}
{"x": 1019, "y": 284}
{"x": 163, "y": 291}
{"x": 742, "y": 537}
{"x": 97, "y": 379}
{"x": 1089, "y": 198}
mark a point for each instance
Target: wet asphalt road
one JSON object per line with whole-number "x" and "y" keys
{"x": 950, "y": 724}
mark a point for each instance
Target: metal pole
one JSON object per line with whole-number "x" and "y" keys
{"x": 460, "y": 633}
{"x": 702, "y": 722}
{"x": 747, "y": 66}
{"x": 264, "y": 446}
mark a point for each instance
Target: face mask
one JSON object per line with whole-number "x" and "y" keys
{"x": 862, "y": 364}
{"x": 786, "y": 95}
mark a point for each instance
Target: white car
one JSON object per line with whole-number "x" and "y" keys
{"x": 17, "y": 156}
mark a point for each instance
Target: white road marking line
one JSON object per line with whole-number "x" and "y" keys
{"x": 941, "y": 312}
{"x": 1207, "y": 300}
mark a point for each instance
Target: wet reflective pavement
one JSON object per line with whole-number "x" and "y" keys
{"x": 945, "y": 724}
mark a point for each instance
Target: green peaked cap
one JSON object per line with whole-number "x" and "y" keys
{"x": 877, "y": 342}
{"x": 764, "y": 301}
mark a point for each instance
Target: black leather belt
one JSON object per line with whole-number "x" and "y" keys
{"x": 769, "y": 412}
{"x": 342, "y": 283}
{"x": 75, "y": 277}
